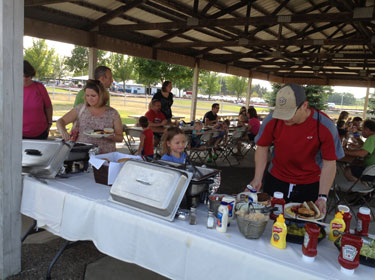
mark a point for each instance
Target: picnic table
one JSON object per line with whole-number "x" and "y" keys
{"x": 136, "y": 117}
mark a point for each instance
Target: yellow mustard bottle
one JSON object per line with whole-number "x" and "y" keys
{"x": 337, "y": 226}
{"x": 279, "y": 231}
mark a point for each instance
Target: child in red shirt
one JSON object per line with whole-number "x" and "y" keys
{"x": 146, "y": 146}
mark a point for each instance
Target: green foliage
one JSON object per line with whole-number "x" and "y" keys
{"x": 237, "y": 85}
{"x": 41, "y": 58}
{"x": 78, "y": 62}
{"x": 347, "y": 98}
{"x": 209, "y": 82}
{"x": 371, "y": 105}
{"x": 259, "y": 90}
{"x": 58, "y": 67}
{"x": 315, "y": 95}
{"x": 122, "y": 67}
{"x": 183, "y": 78}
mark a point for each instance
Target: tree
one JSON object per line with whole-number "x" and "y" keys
{"x": 122, "y": 67}
{"x": 41, "y": 58}
{"x": 259, "y": 90}
{"x": 183, "y": 79}
{"x": 237, "y": 85}
{"x": 209, "y": 82}
{"x": 78, "y": 62}
{"x": 346, "y": 98}
{"x": 315, "y": 95}
{"x": 58, "y": 68}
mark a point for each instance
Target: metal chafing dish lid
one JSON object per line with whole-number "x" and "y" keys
{"x": 44, "y": 158}
{"x": 151, "y": 188}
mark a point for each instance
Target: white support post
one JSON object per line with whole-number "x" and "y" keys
{"x": 194, "y": 95}
{"x": 11, "y": 96}
{"x": 248, "y": 93}
{"x": 93, "y": 58}
{"x": 366, "y": 102}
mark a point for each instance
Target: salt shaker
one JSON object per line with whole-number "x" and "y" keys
{"x": 210, "y": 220}
{"x": 193, "y": 216}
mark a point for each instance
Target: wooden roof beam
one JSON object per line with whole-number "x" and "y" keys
{"x": 30, "y": 3}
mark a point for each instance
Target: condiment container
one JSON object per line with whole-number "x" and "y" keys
{"x": 310, "y": 242}
{"x": 337, "y": 227}
{"x": 363, "y": 221}
{"x": 231, "y": 204}
{"x": 253, "y": 194}
{"x": 346, "y": 216}
{"x": 210, "y": 220}
{"x": 222, "y": 217}
{"x": 278, "y": 202}
{"x": 279, "y": 231}
{"x": 193, "y": 216}
{"x": 349, "y": 255}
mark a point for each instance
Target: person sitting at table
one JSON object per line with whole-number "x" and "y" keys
{"x": 94, "y": 114}
{"x": 156, "y": 120}
{"x": 242, "y": 117}
{"x": 220, "y": 134}
{"x": 146, "y": 145}
{"x": 211, "y": 117}
{"x": 196, "y": 135}
{"x": 253, "y": 124}
{"x": 165, "y": 96}
{"x": 341, "y": 130}
{"x": 174, "y": 143}
{"x": 367, "y": 152}
{"x": 104, "y": 75}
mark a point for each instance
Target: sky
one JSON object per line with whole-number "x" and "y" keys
{"x": 65, "y": 49}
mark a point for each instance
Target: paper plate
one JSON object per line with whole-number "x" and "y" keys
{"x": 92, "y": 134}
{"x": 290, "y": 214}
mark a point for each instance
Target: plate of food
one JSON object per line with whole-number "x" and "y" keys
{"x": 296, "y": 231}
{"x": 99, "y": 133}
{"x": 306, "y": 211}
{"x": 367, "y": 254}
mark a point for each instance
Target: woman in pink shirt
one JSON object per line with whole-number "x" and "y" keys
{"x": 254, "y": 123}
{"x": 37, "y": 107}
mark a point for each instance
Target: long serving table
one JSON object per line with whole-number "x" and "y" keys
{"x": 77, "y": 208}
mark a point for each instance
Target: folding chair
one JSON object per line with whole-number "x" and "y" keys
{"x": 233, "y": 143}
{"x": 201, "y": 154}
{"x": 131, "y": 138}
{"x": 352, "y": 193}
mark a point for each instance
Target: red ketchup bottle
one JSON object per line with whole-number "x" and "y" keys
{"x": 349, "y": 255}
{"x": 279, "y": 202}
{"x": 363, "y": 221}
{"x": 346, "y": 216}
{"x": 310, "y": 242}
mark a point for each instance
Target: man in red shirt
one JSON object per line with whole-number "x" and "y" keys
{"x": 306, "y": 147}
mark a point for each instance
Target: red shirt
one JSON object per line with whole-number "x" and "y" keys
{"x": 35, "y": 100}
{"x": 154, "y": 117}
{"x": 148, "y": 145}
{"x": 255, "y": 125}
{"x": 298, "y": 151}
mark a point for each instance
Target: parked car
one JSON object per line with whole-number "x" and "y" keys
{"x": 331, "y": 105}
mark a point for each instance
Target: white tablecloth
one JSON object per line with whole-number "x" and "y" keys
{"x": 78, "y": 209}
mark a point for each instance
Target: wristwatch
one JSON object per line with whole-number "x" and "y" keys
{"x": 322, "y": 196}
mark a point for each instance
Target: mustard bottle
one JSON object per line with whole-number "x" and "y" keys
{"x": 279, "y": 231}
{"x": 337, "y": 226}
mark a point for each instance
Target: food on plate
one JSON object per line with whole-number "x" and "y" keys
{"x": 264, "y": 198}
{"x": 123, "y": 159}
{"x": 98, "y": 132}
{"x": 108, "y": 130}
{"x": 306, "y": 210}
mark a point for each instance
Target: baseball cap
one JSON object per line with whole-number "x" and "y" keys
{"x": 288, "y": 99}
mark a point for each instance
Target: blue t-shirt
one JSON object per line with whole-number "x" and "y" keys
{"x": 174, "y": 159}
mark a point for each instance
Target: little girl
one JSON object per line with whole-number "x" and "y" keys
{"x": 197, "y": 134}
{"x": 174, "y": 143}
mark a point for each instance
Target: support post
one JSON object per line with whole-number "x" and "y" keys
{"x": 11, "y": 96}
{"x": 194, "y": 96}
{"x": 366, "y": 102}
{"x": 248, "y": 93}
{"x": 93, "y": 58}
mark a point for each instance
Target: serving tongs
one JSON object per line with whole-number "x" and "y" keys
{"x": 264, "y": 210}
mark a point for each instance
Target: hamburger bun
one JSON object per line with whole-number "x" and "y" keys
{"x": 123, "y": 159}
{"x": 305, "y": 213}
{"x": 108, "y": 130}
{"x": 264, "y": 198}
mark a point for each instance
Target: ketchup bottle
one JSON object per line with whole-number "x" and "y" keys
{"x": 279, "y": 202}
{"x": 349, "y": 255}
{"x": 310, "y": 242}
{"x": 346, "y": 216}
{"x": 363, "y": 222}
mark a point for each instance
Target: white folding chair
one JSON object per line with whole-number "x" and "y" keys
{"x": 131, "y": 138}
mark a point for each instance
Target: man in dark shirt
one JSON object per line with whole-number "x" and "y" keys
{"x": 211, "y": 117}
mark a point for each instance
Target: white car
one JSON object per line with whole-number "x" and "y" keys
{"x": 331, "y": 105}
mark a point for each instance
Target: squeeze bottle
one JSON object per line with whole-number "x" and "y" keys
{"x": 349, "y": 255}
{"x": 337, "y": 227}
{"x": 310, "y": 242}
{"x": 278, "y": 202}
{"x": 279, "y": 231}
{"x": 363, "y": 221}
{"x": 222, "y": 217}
